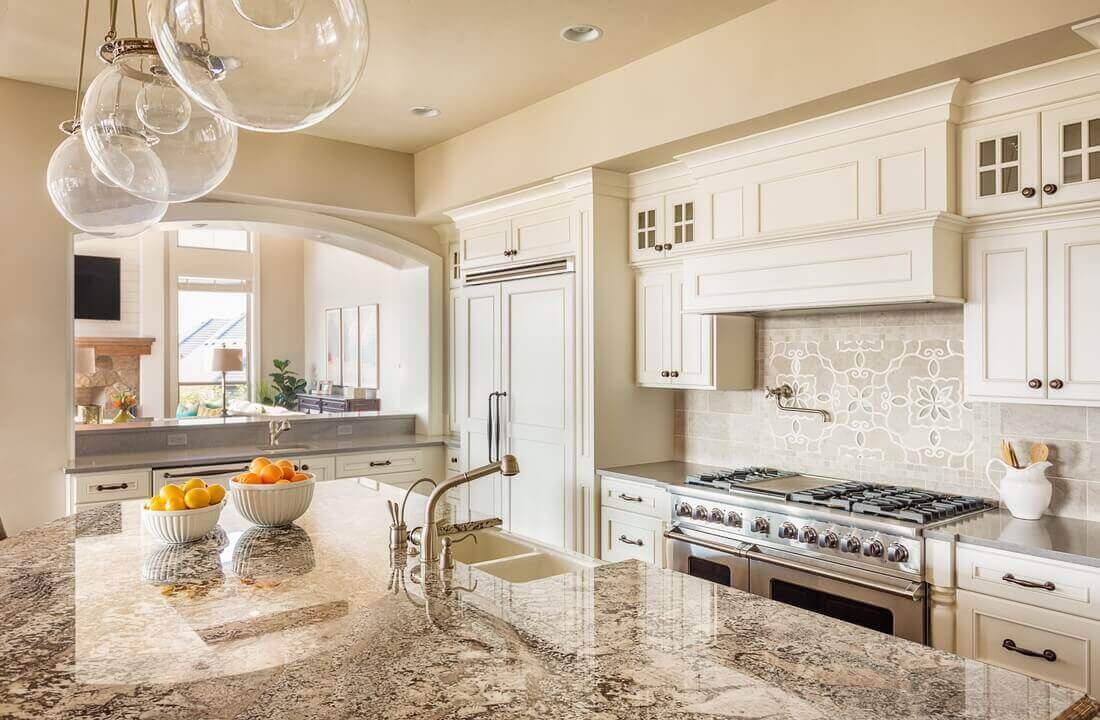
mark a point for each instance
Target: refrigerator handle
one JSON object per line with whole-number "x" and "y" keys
{"x": 489, "y": 427}
{"x": 499, "y": 396}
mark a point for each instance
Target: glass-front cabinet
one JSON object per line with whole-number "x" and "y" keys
{"x": 1000, "y": 162}
{"x": 1071, "y": 153}
{"x": 647, "y": 237}
{"x": 666, "y": 225}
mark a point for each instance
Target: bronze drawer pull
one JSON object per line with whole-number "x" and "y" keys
{"x": 630, "y": 498}
{"x": 1028, "y": 192}
{"x": 1048, "y": 654}
{"x": 628, "y": 541}
{"x": 101, "y": 488}
{"x": 1010, "y": 578}
{"x": 205, "y": 473}
{"x": 384, "y": 463}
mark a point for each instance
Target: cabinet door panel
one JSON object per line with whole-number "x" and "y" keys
{"x": 479, "y": 375}
{"x": 687, "y": 220}
{"x": 998, "y": 160}
{"x": 538, "y": 368}
{"x": 485, "y": 244}
{"x": 692, "y": 337}
{"x": 652, "y": 327}
{"x": 1073, "y": 311}
{"x": 1005, "y": 320}
{"x": 647, "y": 231}
{"x": 546, "y": 233}
{"x": 1071, "y": 153}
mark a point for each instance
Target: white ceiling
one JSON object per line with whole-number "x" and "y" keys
{"x": 476, "y": 60}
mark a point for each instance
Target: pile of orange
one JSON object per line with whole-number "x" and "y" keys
{"x": 192, "y": 495}
{"x": 263, "y": 471}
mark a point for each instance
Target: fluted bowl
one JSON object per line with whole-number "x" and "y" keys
{"x": 273, "y": 505}
{"x": 181, "y": 526}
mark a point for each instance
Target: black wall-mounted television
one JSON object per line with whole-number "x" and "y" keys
{"x": 98, "y": 288}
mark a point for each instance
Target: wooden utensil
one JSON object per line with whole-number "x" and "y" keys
{"x": 1039, "y": 452}
{"x": 1012, "y": 454}
{"x": 1007, "y": 454}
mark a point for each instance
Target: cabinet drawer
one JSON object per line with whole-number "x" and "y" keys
{"x": 634, "y": 497}
{"x": 324, "y": 468}
{"x": 629, "y": 536}
{"x": 984, "y": 624}
{"x": 113, "y": 486}
{"x": 378, "y": 463}
{"x": 1064, "y": 588}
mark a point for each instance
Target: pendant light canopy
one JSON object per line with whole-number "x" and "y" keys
{"x": 143, "y": 132}
{"x": 91, "y": 205}
{"x": 266, "y": 65}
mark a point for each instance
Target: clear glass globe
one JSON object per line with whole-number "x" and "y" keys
{"x": 125, "y": 134}
{"x": 270, "y": 14}
{"x": 163, "y": 107}
{"x": 90, "y": 205}
{"x": 257, "y": 78}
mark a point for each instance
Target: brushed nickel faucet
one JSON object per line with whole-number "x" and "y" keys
{"x": 429, "y": 533}
{"x": 275, "y": 429}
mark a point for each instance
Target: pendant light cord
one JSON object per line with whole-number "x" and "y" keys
{"x": 80, "y": 72}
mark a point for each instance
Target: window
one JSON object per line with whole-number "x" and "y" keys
{"x": 232, "y": 240}
{"x": 208, "y": 320}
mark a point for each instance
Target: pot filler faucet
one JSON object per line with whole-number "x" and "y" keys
{"x": 429, "y": 540}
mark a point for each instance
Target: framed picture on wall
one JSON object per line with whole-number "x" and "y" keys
{"x": 333, "y": 364}
{"x": 368, "y": 346}
{"x": 349, "y": 332}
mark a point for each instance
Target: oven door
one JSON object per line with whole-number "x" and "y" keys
{"x": 704, "y": 556}
{"x": 880, "y": 602}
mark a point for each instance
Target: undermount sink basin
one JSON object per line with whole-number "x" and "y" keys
{"x": 535, "y": 566}
{"x": 275, "y": 448}
{"x": 491, "y": 545}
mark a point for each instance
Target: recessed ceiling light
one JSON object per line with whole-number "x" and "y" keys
{"x": 581, "y": 33}
{"x": 425, "y": 111}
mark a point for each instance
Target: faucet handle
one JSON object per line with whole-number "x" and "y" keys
{"x": 446, "y": 555}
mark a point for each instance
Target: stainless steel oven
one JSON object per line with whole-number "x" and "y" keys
{"x": 879, "y": 601}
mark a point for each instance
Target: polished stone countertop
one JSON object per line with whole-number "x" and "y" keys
{"x": 182, "y": 457}
{"x": 667, "y": 473}
{"x": 202, "y": 423}
{"x": 321, "y": 620}
{"x": 1055, "y": 538}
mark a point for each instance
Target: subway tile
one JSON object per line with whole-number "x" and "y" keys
{"x": 732, "y": 401}
{"x": 1070, "y": 497}
{"x": 1044, "y": 421}
{"x": 1094, "y": 424}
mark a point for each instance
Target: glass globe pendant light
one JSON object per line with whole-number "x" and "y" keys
{"x": 265, "y": 65}
{"x": 139, "y": 128}
{"x": 79, "y": 191}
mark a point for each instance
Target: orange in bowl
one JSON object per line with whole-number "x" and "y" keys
{"x": 271, "y": 474}
{"x": 258, "y": 464}
{"x": 249, "y": 478}
{"x": 299, "y": 477}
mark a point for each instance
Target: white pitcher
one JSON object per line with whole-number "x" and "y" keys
{"x": 1024, "y": 491}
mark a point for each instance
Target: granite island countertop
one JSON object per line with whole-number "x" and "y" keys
{"x": 321, "y": 620}
{"x": 182, "y": 456}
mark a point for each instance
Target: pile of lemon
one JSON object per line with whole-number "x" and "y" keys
{"x": 192, "y": 495}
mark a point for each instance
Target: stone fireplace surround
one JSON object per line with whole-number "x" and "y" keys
{"x": 118, "y": 364}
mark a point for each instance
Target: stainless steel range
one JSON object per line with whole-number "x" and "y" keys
{"x": 849, "y": 550}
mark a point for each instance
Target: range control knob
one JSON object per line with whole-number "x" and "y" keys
{"x": 828, "y": 540}
{"x": 733, "y": 519}
{"x": 683, "y": 510}
{"x": 700, "y": 513}
{"x": 807, "y": 534}
{"x": 896, "y": 553}
{"x": 760, "y": 525}
{"x": 787, "y": 531}
{"x": 872, "y": 547}
{"x": 717, "y": 516}
{"x": 850, "y": 544}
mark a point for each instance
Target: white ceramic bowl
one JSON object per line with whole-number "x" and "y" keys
{"x": 273, "y": 505}
{"x": 181, "y": 526}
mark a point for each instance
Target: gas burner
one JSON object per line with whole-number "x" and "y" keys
{"x": 727, "y": 479}
{"x": 900, "y": 503}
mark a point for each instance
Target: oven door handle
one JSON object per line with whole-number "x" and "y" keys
{"x": 912, "y": 591}
{"x": 724, "y": 549}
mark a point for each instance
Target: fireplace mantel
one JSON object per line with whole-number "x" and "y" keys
{"x": 117, "y": 346}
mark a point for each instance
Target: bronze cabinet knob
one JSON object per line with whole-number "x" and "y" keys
{"x": 674, "y": 374}
{"x": 665, "y": 373}
{"x": 1034, "y": 383}
{"x": 1050, "y": 188}
{"x": 1056, "y": 384}
{"x": 1028, "y": 192}
{"x": 668, "y": 246}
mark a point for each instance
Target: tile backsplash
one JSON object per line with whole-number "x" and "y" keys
{"x": 893, "y": 381}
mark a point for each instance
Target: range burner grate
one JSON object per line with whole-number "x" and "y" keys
{"x": 726, "y": 479}
{"x": 900, "y": 503}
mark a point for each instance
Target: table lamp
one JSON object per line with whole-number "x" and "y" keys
{"x": 226, "y": 360}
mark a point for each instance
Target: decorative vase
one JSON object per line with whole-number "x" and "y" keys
{"x": 1024, "y": 491}
{"x": 123, "y": 416}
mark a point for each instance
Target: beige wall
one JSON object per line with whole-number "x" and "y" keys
{"x": 282, "y": 318}
{"x": 781, "y": 55}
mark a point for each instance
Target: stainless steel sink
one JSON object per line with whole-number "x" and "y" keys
{"x": 276, "y": 448}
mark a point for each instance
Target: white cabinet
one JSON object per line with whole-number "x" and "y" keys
{"x": 1000, "y": 165}
{"x": 454, "y": 307}
{"x": 525, "y": 237}
{"x": 647, "y": 230}
{"x": 673, "y": 349}
{"x": 1033, "y": 306}
{"x": 323, "y": 467}
{"x": 87, "y": 488}
{"x": 666, "y": 225}
{"x": 1071, "y": 153}
{"x": 518, "y": 385}
{"x": 634, "y": 517}
{"x": 371, "y": 464}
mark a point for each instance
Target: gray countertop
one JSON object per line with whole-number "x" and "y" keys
{"x": 179, "y": 457}
{"x": 201, "y": 423}
{"x": 1056, "y": 538}
{"x": 319, "y": 620}
{"x": 668, "y": 473}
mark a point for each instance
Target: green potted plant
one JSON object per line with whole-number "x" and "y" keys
{"x": 286, "y": 384}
